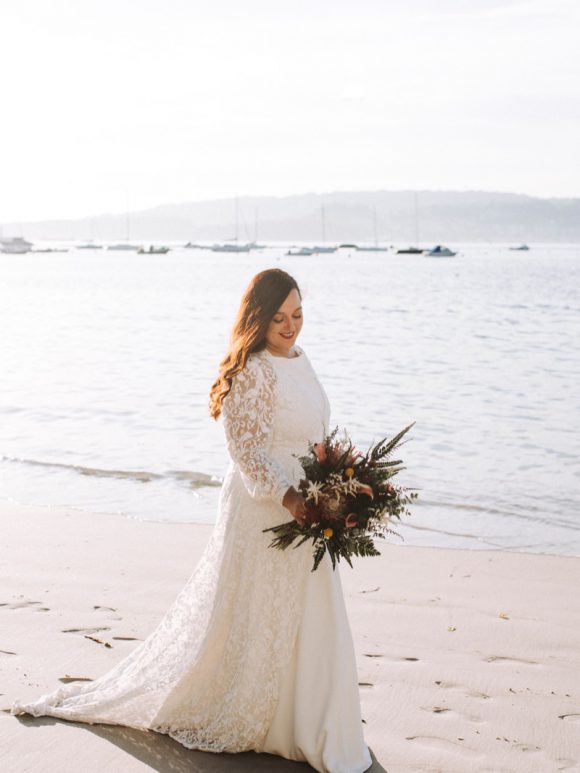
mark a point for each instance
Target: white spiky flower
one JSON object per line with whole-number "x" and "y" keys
{"x": 313, "y": 491}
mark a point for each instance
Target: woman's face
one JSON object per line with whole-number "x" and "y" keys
{"x": 285, "y": 325}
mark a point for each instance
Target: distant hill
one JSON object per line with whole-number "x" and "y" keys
{"x": 443, "y": 216}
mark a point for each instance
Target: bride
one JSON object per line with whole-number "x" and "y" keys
{"x": 255, "y": 652}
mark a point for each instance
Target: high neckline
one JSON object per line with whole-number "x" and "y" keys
{"x": 297, "y": 356}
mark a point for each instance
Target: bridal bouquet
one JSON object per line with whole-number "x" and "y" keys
{"x": 350, "y": 499}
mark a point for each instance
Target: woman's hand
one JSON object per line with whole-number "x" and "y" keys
{"x": 294, "y": 502}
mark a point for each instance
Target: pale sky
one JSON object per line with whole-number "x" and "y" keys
{"x": 106, "y": 104}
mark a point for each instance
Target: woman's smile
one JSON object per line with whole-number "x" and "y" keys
{"x": 289, "y": 313}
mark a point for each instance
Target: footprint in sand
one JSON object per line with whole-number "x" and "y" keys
{"x": 454, "y": 686}
{"x": 393, "y": 660}
{"x": 435, "y": 709}
{"x": 444, "y": 744}
{"x": 127, "y": 638}
{"x": 115, "y": 616}
{"x": 570, "y": 717}
{"x": 446, "y": 710}
{"x": 567, "y": 764}
{"x": 106, "y": 644}
{"x": 505, "y": 658}
{"x": 23, "y": 605}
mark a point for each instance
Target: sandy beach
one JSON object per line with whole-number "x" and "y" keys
{"x": 468, "y": 660}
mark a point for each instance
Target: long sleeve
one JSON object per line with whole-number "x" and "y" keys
{"x": 248, "y": 412}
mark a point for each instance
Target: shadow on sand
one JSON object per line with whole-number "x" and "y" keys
{"x": 163, "y": 754}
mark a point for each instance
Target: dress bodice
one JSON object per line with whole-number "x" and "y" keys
{"x": 274, "y": 410}
{"x": 301, "y": 407}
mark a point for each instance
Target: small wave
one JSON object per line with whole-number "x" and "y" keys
{"x": 536, "y": 514}
{"x": 463, "y": 535}
{"x": 193, "y": 478}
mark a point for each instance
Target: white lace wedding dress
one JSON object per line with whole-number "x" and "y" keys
{"x": 255, "y": 652}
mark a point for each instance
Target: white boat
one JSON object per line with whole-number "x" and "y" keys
{"x": 312, "y": 251}
{"x": 90, "y": 246}
{"x": 230, "y": 247}
{"x": 124, "y": 246}
{"x": 15, "y": 245}
{"x": 50, "y": 249}
{"x": 440, "y": 252}
{"x": 153, "y": 250}
{"x": 324, "y": 249}
{"x": 302, "y": 251}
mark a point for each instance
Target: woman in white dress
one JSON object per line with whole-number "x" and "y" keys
{"x": 256, "y": 651}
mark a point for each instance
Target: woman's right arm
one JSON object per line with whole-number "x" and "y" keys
{"x": 248, "y": 412}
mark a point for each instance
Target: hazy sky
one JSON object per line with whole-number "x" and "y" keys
{"x": 106, "y": 103}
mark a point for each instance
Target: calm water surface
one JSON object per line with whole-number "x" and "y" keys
{"x": 107, "y": 359}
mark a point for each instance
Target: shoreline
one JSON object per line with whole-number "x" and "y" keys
{"x": 467, "y": 658}
{"x": 212, "y": 506}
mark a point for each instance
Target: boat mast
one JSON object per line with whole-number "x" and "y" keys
{"x": 127, "y": 219}
{"x": 237, "y": 204}
{"x": 323, "y": 223}
{"x": 416, "y": 219}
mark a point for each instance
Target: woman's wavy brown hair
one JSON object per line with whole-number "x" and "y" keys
{"x": 263, "y": 297}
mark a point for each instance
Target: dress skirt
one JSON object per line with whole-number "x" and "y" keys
{"x": 317, "y": 718}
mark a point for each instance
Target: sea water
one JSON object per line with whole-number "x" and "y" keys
{"x": 107, "y": 359}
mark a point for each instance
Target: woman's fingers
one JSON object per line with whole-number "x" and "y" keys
{"x": 301, "y": 513}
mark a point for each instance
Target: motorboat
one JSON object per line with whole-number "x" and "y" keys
{"x": 124, "y": 246}
{"x": 312, "y": 251}
{"x": 233, "y": 247}
{"x": 15, "y": 245}
{"x": 372, "y": 249}
{"x": 521, "y": 248}
{"x": 153, "y": 250}
{"x": 324, "y": 250}
{"x": 301, "y": 252}
{"x": 410, "y": 251}
{"x": 89, "y": 246}
{"x": 440, "y": 252}
{"x": 50, "y": 249}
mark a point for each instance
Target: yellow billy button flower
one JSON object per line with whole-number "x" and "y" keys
{"x": 328, "y": 533}
{"x": 349, "y": 472}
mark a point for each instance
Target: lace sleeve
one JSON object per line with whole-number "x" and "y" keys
{"x": 248, "y": 411}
